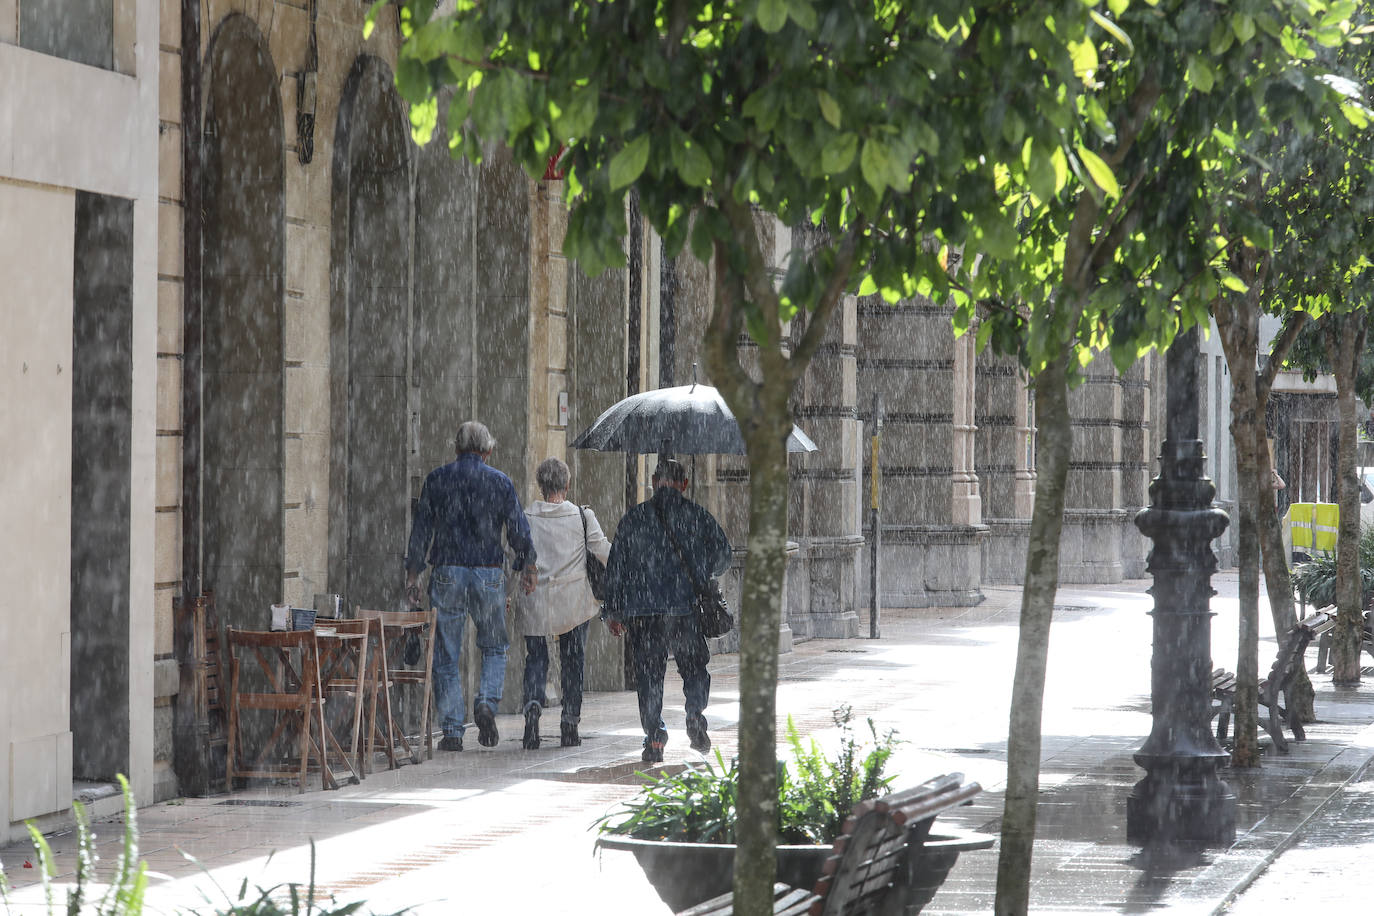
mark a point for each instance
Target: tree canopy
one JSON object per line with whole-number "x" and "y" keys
{"x": 1058, "y": 168}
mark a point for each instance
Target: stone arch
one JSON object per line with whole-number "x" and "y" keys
{"x": 242, "y": 386}
{"x": 370, "y": 329}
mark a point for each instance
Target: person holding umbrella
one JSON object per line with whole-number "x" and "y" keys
{"x": 649, "y": 595}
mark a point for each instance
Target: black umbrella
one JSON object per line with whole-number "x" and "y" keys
{"x": 687, "y": 420}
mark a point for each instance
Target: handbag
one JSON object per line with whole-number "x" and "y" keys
{"x": 708, "y": 603}
{"x": 596, "y": 570}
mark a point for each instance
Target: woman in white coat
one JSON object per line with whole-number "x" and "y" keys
{"x": 562, "y": 603}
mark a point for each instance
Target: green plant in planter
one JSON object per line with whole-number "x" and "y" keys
{"x": 1316, "y": 579}
{"x": 815, "y": 792}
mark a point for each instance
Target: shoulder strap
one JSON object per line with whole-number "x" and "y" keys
{"x": 686, "y": 567}
{"x": 583, "y": 515}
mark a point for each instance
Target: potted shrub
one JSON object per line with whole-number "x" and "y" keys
{"x": 681, "y": 827}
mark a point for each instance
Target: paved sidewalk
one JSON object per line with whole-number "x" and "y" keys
{"x": 511, "y": 827}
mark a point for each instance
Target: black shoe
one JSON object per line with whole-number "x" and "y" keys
{"x": 450, "y": 743}
{"x": 653, "y": 748}
{"x": 568, "y": 736}
{"x": 696, "y": 733}
{"x": 486, "y": 725}
{"x": 531, "y": 740}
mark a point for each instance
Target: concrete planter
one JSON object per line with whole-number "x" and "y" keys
{"x": 685, "y": 874}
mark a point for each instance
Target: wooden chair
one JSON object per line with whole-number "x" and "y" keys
{"x": 396, "y": 629}
{"x": 287, "y": 665}
{"x": 346, "y": 671}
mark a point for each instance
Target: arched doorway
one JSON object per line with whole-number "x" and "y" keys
{"x": 242, "y": 382}
{"x": 373, "y": 409}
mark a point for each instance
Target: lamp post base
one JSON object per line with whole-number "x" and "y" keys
{"x": 1181, "y": 805}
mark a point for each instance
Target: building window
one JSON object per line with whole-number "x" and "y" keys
{"x": 78, "y": 30}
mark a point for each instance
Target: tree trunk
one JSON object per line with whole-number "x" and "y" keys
{"x": 1344, "y": 344}
{"x": 1238, "y": 328}
{"x": 1277, "y": 578}
{"x": 756, "y": 827}
{"x": 1053, "y": 446}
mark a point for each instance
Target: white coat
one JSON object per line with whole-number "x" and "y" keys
{"x": 563, "y": 598}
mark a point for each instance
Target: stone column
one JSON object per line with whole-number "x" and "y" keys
{"x": 1094, "y": 520}
{"x": 1135, "y": 461}
{"x": 826, "y": 510}
{"x": 966, "y": 506}
{"x": 1005, "y": 465}
{"x": 907, "y": 353}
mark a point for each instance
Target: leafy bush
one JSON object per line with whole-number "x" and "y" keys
{"x": 815, "y": 793}
{"x": 1316, "y": 579}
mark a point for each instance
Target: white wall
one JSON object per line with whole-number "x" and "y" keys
{"x": 36, "y": 226}
{"x": 66, "y": 127}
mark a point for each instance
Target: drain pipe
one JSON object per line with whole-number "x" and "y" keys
{"x": 190, "y": 730}
{"x": 192, "y": 217}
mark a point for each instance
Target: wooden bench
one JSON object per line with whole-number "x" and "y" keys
{"x": 1324, "y": 643}
{"x": 1273, "y": 690}
{"x": 876, "y": 863}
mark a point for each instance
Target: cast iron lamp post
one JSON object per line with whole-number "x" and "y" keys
{"x": 1181, "y": 799}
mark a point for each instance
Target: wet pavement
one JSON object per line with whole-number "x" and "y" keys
{"x": 512, "y": 827}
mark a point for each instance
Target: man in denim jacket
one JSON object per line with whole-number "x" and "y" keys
{"x": 463, "y": 508}
{"x": 649, "y": 595}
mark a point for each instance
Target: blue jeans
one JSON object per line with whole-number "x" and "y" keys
{"x": 459, "y": 592}
{"x": 572, "y": 656}
{"x": 652, "y": 637}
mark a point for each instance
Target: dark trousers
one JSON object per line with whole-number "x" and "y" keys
{"x": 572, "y": 657}
{"x": 652, "y": 638}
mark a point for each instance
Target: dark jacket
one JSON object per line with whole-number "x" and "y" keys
{"x": 458, "y": 520}
{"x": 644, "y": 574}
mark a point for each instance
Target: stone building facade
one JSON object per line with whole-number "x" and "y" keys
{"x": 306, "y": 307}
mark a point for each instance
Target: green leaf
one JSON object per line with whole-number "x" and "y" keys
{"x": 880, "y": 166}
{"x": 1200, "y": 74}
{"x": 629, "y": 163}
{"x": 802, "y": 13}
{"x": 830, "y": 109}
{"x": 1232, "y": 282}
{"x": 761, "y": 109}
{"x": 578, "y": 115}
{"x": 838, "y": 153}
{"x": 412, "y": 79}
{"x": 424, "y": 118}
{"x": 869, "y": 286}
{"x": 512, "y": 100}
{"x": 370, "y": 22}
{"x": 1100, "y": 172}
{"x": 692, "y": 163}
{"x": 1244, "y": 27}
{"x": 873, "y": 165}
{"x": 1040, "y": 172}
{"x": 984, "y": 332}
{"x": 772, "y": 15}
{"x": 1222, "y": 38}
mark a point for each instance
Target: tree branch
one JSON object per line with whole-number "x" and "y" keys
{"x": 830, "y": 299}
{"x": 1278, "y": 351}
